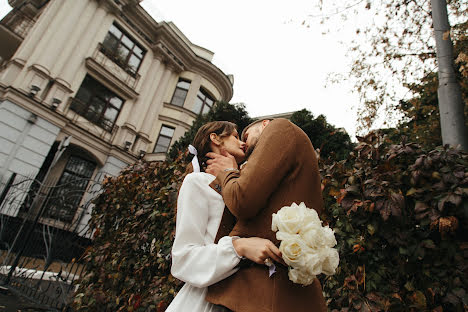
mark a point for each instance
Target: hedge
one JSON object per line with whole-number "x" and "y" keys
{"x": 399, "y": 212}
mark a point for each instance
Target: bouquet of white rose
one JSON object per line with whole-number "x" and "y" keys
{"x": 306, "y": 245}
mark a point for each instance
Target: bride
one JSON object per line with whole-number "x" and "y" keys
{"x": 196, "y": 259}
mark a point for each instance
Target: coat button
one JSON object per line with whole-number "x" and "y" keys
{"x": 218, "y": 187}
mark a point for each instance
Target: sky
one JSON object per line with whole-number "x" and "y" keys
{"x": 279, "y": 64}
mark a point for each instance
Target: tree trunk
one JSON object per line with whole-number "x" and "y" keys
{"x": 452, "y": 123}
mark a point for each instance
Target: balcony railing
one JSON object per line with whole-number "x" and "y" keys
{"x": 82, "y": 109}
{"x": 18, "y": 23}
{"x": 110, "y": 61}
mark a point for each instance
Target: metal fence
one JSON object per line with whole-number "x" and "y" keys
{"x": 41, "y": 251}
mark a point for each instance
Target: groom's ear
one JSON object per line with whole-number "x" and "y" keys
{"x": 215, "y": 139}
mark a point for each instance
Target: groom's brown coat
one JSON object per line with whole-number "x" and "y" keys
{"x": 283, "y": 169}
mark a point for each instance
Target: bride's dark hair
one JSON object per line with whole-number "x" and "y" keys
{"x": 202, "y": 139}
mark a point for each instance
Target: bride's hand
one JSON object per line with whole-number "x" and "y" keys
{"x": 257, "y": 249}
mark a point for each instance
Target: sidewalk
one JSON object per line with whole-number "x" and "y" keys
{"x": 10, "y": 302}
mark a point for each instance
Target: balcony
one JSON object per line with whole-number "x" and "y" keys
{"x": 18, "y": 23}
{"x": 13, "y": 29}
{"x": 86, "y": 118}
{"x": 106, "y": 65}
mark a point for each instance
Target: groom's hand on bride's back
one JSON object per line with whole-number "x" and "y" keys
{"x": 218, "y": 163}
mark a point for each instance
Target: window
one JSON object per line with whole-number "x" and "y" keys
{"x": 96, "y": 103}
{"x": 164, "y": 139}
{"x": 63, "y": 201}
{"x": 180, "y": 92}
{"x": 203, "y": 102}
{"x": 123, "y": 50}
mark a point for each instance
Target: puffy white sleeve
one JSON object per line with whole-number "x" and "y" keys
{"x": 193, "y": 261}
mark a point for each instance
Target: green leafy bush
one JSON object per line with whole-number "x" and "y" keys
{"x": 134, "y": 221}
{"x": 332, "y": 142}
{"x": 134, "y": 225}
{"x": 400, "y": 215}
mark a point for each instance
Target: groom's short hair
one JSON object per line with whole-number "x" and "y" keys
{"x": 256, "y": 122}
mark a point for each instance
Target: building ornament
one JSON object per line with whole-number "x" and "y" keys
{"x": 193, "y": 62}
{"x": 163, "y": 54}
{"x": 111, "y": 6}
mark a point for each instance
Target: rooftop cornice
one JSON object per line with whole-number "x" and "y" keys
{"x": 162, "y": 35}
{"x": 167, "y": 57}
{"x": 193, "y": 62}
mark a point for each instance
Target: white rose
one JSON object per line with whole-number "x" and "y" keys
{"x": 312, "y": 237}
{"x": 293, "y": 249}
{"x": 310, "y": 216}
{"x": 328, "y": 235}
{"x": 300, "y": 277}
{"x": 314, "y": 263}
{"x": 311, "y": 220}
{"x": 330, "y": 260}
{"x": 288, "y": 219}
{"x": 318, "y": 237}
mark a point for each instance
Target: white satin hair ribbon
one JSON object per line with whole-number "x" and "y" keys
{"x": 195, "y": 164}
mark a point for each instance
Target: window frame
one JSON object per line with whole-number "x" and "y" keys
{"x": 120, "y": 42}
{"x": 164, "y": 136}
{"x": 94, "y": 94}
{"x": 207, "y": 95}
{"x": 180, "y": 88}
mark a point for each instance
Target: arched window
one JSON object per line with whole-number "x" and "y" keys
{"x": 59, "y": 187}
{"x": 64, "y": 199}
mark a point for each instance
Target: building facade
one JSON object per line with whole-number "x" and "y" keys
{"x": 88, "y": 87}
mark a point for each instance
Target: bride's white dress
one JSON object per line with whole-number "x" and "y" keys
{"x": 196, "y": 260}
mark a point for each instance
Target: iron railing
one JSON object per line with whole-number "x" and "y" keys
{"x": 41, "y": 255}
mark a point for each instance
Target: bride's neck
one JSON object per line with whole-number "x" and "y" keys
{"x": 215, "y": 148}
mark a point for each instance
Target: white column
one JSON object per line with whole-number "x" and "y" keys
{"x": 94, "y": 28}
{"x": 74, "y": 41}
{"x": 154, "y": 107}
{"x": 35, "y": 35}
{"x": 150, "y": 83}
{"x": 57, "y": 35}
{"x": 192, "y": 93}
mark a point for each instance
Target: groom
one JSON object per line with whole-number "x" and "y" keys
{"x": 281, "y": 169}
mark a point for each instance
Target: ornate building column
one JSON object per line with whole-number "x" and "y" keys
{"x": 48, "y": 51}
{"x": 96, "y": 24}
{"x": 150, "y": 85}
{"x": 35, "y": 35}
{"x": 155, "y": 106}
{"x": 172, "y": 65}
{"x": 192, "y": 93}
{"x": 155, "y": 101}
{"x": 141, "y": 106}
{"x": 74, "y": 42}
{"x": 14, "y": 73}
{"x": 50, "y": 47}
